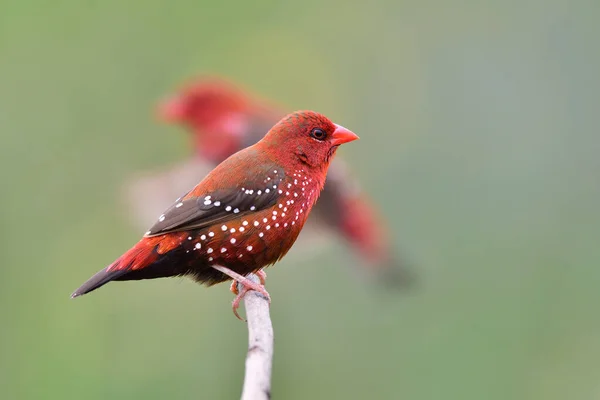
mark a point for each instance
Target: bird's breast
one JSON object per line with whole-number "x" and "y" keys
{"x": 255, "y": 240}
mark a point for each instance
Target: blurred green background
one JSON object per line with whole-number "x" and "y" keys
{"x": 480, "y": 141}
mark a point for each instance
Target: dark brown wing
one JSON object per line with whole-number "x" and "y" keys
{"x": 217, "y": 207}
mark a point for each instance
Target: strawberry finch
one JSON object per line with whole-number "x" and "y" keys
{"x": 244, "y": 215}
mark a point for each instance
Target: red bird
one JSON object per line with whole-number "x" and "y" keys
{"x": 243, "y": 216}
{"x": 224, "y": 119}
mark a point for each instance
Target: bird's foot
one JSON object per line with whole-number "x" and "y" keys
{"x": 247, "y": 285}
{"x": 262, "y": 275}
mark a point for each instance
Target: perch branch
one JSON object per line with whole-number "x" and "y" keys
{"x": 259, "y": 360}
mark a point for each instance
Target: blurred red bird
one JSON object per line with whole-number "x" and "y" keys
{"x": 243, "y": 216}
{"x": 224, "y": 119}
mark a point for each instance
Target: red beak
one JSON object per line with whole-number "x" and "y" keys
{"x": 171, "y": 110}
{"x": 342, "y": 135}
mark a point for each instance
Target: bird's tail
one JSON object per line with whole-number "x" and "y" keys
{"x": 398, "y": 275}
{"x": 362, "y": 227}
{"x": 100, "y": 278}
{"x": 139, "y": 262}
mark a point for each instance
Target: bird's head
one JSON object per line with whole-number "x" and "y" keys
{"x": 216, "y": 113}
{"x": 306, "y": 139}
{"x": 202, "y": 102}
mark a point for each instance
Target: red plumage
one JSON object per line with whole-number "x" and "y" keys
{"x": 224, "y": 118}
{"x": 244, "y": 215}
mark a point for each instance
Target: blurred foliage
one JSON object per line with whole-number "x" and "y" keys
{"x": 479, "y": 128}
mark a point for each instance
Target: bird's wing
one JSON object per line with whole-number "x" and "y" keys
{"x": 221, "y": 205}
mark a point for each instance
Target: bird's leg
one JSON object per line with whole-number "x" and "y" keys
{"x": 247, "y": 286}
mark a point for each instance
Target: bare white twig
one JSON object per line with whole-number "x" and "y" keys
{"x": 259, "y": 360}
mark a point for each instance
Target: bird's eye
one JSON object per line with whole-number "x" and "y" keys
{"x": 318, "y": 134}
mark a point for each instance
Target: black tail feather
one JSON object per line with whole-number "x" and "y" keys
{"x": 399, "y": 276}
{"x": 163, "y": 268}
{"x": 99, "y": 279}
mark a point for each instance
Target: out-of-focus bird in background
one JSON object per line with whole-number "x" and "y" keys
{"x": 223, "y": 118}
{"x": 244, "y": 215}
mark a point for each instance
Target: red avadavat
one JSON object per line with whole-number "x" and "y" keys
{"x": 224, "y": 118}
{"x": 243, "y": 216}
